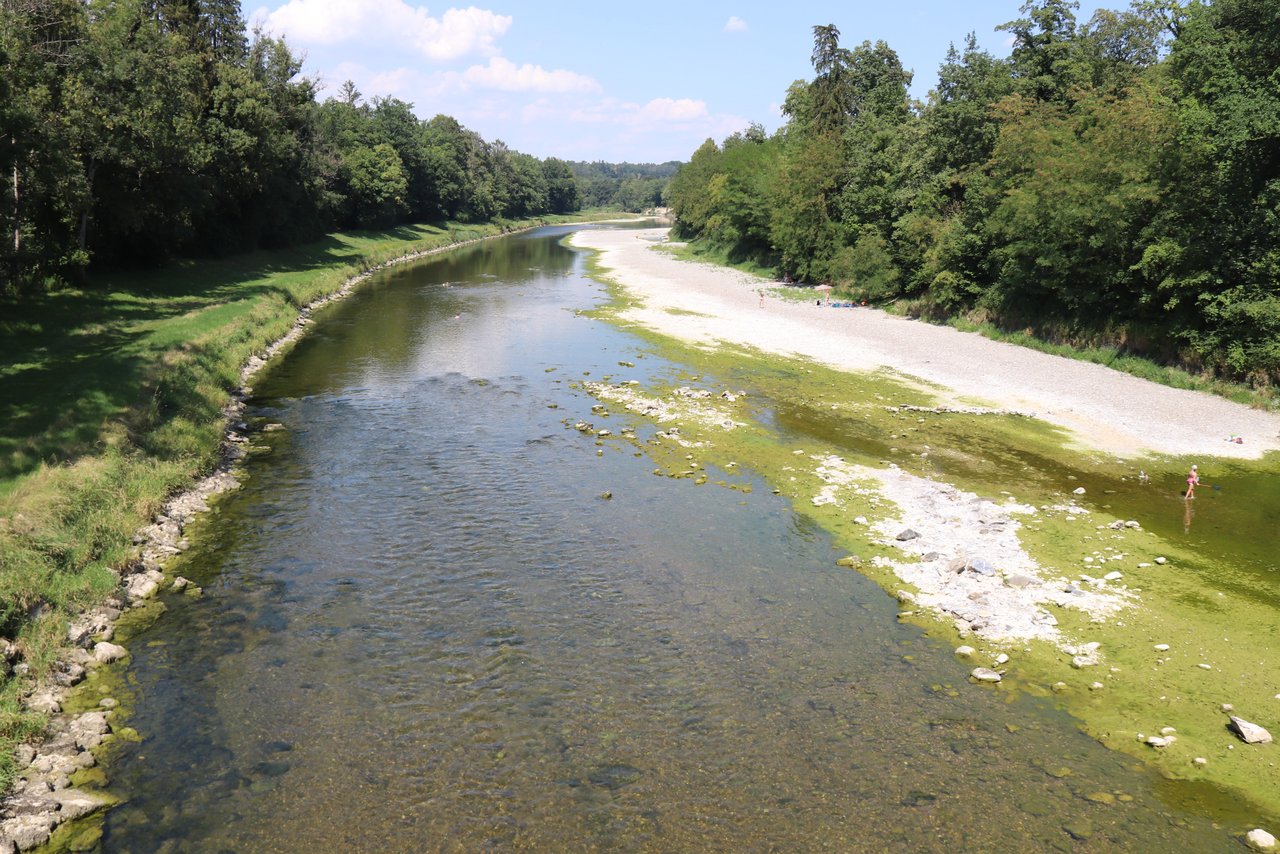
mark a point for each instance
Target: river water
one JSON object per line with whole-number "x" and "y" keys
{"x": 424, "y": 628}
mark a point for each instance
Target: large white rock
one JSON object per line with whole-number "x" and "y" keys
{"x": 985, "y": 674}
{"x": 1260, "y": 840}
{"x": 1249, "y": 733}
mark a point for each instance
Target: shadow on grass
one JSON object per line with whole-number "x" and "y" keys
{"x": 74, "y": 361}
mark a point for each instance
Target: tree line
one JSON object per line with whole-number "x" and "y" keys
{"x": 1116, "y": 180}
{"x": 634, "y": 187}
{"x": 132, "y": 131}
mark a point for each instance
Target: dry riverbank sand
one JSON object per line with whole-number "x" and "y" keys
{"x": 1102, "y": 408}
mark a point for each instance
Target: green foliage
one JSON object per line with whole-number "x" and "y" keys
{"x": 634, "y": 187}
{"x": 133, "y": 131}
{"x": 1116, "y": 181}
{"x": 866, "y": 269}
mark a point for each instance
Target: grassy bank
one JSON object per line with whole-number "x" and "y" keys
{"x": 1113, "y": 356}
{"x": 111, "y": 400}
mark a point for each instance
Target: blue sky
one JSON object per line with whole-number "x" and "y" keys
{"x": 638, "y": 82}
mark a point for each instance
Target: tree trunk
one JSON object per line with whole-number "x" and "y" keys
{"x": 17, "y": 201}
{"x": 84, "y": 214}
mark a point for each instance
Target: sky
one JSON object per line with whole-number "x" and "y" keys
{"x": 612, "y": 81}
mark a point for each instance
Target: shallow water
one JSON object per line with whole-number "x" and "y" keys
{"x": 424, "y": 628}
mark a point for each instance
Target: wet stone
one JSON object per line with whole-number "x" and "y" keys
{"x": 614, "y": 777}
{"x": 1079, "y": 829}
{"x": 918, "y": 799}
{"x": 271, "y": 768}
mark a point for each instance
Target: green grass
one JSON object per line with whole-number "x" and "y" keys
{"x": 111, "y": 400}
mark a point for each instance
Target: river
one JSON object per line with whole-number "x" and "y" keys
{"x": 437, "y": 617}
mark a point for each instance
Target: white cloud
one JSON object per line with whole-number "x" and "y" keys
{"x": 505, "y": 75}
{"x": 668, "y": 110}
{"x": 458, "y": 32}
{"x": 735, "y": 25}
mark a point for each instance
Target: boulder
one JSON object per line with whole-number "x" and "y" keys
{"x": 1259, "y": 840}
{"x": 984, "y": 674}
{"x": 74, "y": 804}
{"x": 28, "y": 831}
{"x": 106, "y": 653}
{"x": 89, "y": 729}
{"x": 1249, "y": 733}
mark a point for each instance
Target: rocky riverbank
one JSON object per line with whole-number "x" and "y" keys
{"x": 44, "y": 795}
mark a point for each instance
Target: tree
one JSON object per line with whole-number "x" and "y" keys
{"x": 1046, "y": 62}
{"x": 377, "y": 185}
{"x": 40, "y": 179}
{"x": 802, "y": 225}
{"x": 829, "y": 96}
{"x": 562, "y": 188}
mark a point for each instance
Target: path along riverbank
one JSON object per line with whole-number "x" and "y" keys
{"x": 1102, "y": 408}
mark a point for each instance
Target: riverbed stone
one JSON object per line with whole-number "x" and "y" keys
{"x": 1260, "y": 840}
{"x": 614, "y": 776}
{"x": 906, "y": 534}
{"x": 984, "y": 674}
{"x": 1079, "y": 829}
{"x": 106, "y": 652}
{"x": 1250, "y": 733}
{"x": 28, "y": 831}
{"x": 965, "y": 651}
{"x": 89, "y": 729}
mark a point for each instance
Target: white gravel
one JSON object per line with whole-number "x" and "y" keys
{"x": 1100, "y": 408}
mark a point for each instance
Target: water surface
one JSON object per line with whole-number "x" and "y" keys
{"x": 425, "y": 629}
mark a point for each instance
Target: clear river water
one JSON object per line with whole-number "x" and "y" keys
{"x": 424, "y": 629}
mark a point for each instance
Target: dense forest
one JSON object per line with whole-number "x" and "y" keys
{"x": 632, "y": 187}
{"x": 132, "y": 131}
{"x": 1114, "y": 180}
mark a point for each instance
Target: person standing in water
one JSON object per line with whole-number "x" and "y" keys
{"x": 1193, "y": 478}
